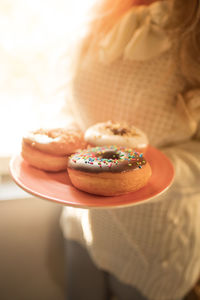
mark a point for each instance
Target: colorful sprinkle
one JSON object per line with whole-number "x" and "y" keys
{"x": 109, "y": 158}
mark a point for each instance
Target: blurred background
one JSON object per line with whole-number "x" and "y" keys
{"x": 35, "y": 37}
{"x": 34, "y": 40}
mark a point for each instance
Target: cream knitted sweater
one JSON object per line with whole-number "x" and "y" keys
{"x": 154, "y": 246}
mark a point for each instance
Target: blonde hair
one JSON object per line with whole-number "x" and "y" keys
{"x": 183, "y": 23}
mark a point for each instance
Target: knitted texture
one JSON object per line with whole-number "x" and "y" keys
{"x": 154, "y": 246}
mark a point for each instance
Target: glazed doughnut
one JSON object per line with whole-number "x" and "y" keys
{"x": 112, "y": 133}
{"x": 49, "y": 149}
{"x": 108, "y": 171}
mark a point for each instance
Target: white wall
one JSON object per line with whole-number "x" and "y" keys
{"x": 31, "y": 250}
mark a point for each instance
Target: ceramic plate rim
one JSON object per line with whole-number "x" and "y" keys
{"x": 63, "y": 203}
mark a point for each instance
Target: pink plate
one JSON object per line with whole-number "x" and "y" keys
{"x": 57, "y": 187}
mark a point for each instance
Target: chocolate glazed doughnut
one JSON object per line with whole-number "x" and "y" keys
{"x": 108, "y": 171}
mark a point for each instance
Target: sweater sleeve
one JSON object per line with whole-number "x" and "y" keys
{"x": 186, "y": 156}
{"x": 186, "y": 160}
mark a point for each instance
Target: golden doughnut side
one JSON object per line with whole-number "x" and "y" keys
{"x": 110, "y": 184}
{"x": 43, "y": 161}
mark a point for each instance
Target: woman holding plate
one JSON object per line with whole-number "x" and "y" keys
{"x": 139, "y": 63}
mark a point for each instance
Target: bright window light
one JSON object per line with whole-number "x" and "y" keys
{"x": 34, "y": 36}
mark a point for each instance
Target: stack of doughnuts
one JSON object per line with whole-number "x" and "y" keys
{"x": 106, "y": 160}
{"x": 49, "y": 149}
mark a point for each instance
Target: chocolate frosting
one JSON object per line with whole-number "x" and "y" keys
{"x": 106, "y": 159}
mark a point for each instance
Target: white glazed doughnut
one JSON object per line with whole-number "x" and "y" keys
{"x": 58, "y": 141}
{"x": 111, "y": 133}
{"x": 49, "y": 149}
